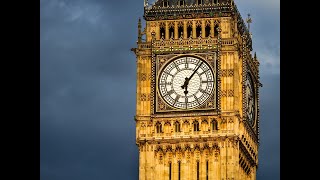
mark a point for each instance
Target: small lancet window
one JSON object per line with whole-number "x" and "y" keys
{"x": 198, "y": 31}
{"x": 179, "y": 170}
{"x": 170, "y": 166}
{"x": 196, "y": 126}
{"x": 208, "y": 29}
{"x": 189, "y": 32}
{"x": 159, "y": 127}
{"x": 214, "y": 125}
{"x": 181, "y": 2}
{"x": 171, "y": 32}
{"x": 177, "y": 126}
{"x": 162, "y": 32}
{"x": 199, "y": 2}
{"x": 216, "y": 30}
{"x": 207, "y": 170}
{"x": 165, "y": 3}
{"x": 198, "y": 168}
{"x": 180, "y": 31}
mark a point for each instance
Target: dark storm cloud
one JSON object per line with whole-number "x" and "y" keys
{"x": 88, "y": 88}
{"x": 269, "y": 150}
{"x": 87, "y": 83}
{"x": 265, "y": 29}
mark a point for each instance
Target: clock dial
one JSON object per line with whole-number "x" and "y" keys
{"x": 186, "y": 82}
{"x": 250, "y": 100}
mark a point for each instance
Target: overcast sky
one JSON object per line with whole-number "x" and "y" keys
{"x": 88, "y": 85}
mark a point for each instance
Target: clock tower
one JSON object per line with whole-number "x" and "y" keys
{"x": 197, "y": 96}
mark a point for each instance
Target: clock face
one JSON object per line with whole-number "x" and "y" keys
{"x": 251, "y": 101}
{"x": 186, "y": 82}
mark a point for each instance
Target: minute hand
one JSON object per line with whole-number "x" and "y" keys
{"x": 195, "y": 71}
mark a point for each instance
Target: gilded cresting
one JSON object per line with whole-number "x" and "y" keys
{"x": 217, "y": 139}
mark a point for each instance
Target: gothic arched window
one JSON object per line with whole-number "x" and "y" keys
{"x": 214, "y": 125}
{"x": 162, "y": 32}
{"x": 199, "y": 2}
{"x": 189, "y": 32}
{"x": 179, "y": 170}
{"x": 198, "y": 31}
{"x": 196, "y": 126}
{"x": 198, "y": 170}
{"x": 207, "y": 170}
{"x": 181, "y": 2}
{"x": 165, "y": 3}
{"x": 170, "y": 167}
{"x": 216, "y": 30}
{"x": 208, "y": 29}
{"x": 171, "y": 32}
{"x": 180, "y": 31}
{"x": 177, "y": 126}
{"x": 159, "y": 127}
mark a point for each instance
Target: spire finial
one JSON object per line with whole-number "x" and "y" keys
{"x": 249, "y": 20}
{"x": 146, "y": 3}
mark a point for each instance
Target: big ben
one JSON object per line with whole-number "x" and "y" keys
{"x": 197, "y": 96}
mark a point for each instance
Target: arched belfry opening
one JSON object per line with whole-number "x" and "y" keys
{"x": 189, "y": 31}
{"x": 198, "y": 31}
{"x": 181, "y": 2}
{"x": 165, "y": 3}
{"x": 162, "y": 31}
{"x": 216, "y": 32}
{"x": 208, "y": 30}
{"x": 171, "y": 31}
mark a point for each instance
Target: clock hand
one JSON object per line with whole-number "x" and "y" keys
{"x": 186, "y": 90}
{"x": 186, "y": 82}
{"x": 195, "y": 71}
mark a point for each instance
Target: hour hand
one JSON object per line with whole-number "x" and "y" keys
{"x": 186, "y": 91}
{"x": 185, "y": 84}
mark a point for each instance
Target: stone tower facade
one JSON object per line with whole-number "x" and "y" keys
{"x": 197, "y": 96}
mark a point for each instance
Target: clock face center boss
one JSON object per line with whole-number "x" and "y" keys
{"x": 186, "y": 82}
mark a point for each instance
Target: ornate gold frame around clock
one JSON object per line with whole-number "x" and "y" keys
{"x": 161, "y": 60}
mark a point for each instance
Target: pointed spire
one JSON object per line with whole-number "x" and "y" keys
{"x": 255, "y": 55}
{"x": 139, "y": 30}
{"x": 146, "y": 3}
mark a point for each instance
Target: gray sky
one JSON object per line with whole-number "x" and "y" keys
{"x": 87, "y": 87}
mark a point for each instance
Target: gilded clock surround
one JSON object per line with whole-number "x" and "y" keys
{"x": 214, "y": 142}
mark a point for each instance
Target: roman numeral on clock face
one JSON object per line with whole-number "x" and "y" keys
{"x": 170, "y": 92}
{"x": 166, "y": 83}
{"x": 203, "y": 91}
{"x": 206, "y": 81}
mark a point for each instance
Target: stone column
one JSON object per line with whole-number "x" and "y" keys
{"x": 203, "y": 28}
{"x": 185, "y": 34}
{"x": 194, "y": 31}
{"x": 176, "y": 34}
{"x": 158, "y": 35}
{"x": 212, "y": 28}
{"x": 167, "y": 31}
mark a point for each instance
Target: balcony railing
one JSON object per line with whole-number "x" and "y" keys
{"x": 186, "y": 134}
{"x": 186, "y": 44}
